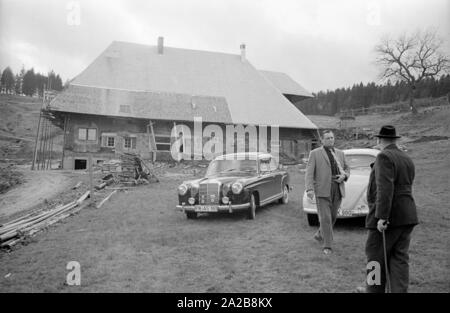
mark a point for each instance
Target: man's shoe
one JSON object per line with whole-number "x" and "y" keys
{"x": 327, "y": 251}
{"x": 360, "y": 289}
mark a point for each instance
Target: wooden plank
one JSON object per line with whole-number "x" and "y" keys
{"x": 10, "y": 243}
{"x": 98, "y": 206}
{"x": 77, "y": 185}
{"x": 117, "y": 188}
{"x": 16, "y": 220}
{"x": 66, "y": 120}
{"x": 83, "y": 197}
{"x": 154, "y": 142}
{"x": 41, "y": 140}
{"x": 38, "y": 225}
{"x": 8, "y": 235}
{"x": 36, "y": 141}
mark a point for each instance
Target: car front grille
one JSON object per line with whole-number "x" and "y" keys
{"x": 209, "y": 193}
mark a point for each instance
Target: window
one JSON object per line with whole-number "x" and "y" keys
{"x": 80, "y": 164}
{"x": 359, "y": 160}
{"x": 162, "y": 142}
{"x": 82, "y": 133}
{"x": 129, "y": 143}
{"x": 228, "y": 166}
{"x": 108, "y": 140}
{"x": 89, "y": 134}
{"x": 92, "y": 134}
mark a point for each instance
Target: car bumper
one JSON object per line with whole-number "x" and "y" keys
{"x": 341, "y": 214}
{"x": 230, "y": 208}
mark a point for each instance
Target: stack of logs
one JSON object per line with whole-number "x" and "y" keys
{"x": 134, "y": 169}
{"x": 16, "y": 230}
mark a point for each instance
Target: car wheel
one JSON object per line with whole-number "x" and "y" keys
{"x": 191, "y": 215}
{"x": 313, "y": 219}
{"x": 285, "y": 198}
{"x": 252, "y": 208}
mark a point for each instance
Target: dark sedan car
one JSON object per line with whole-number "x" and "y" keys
{"x": 235, "y": 182}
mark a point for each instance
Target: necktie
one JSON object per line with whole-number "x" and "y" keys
{"x": 341, "y": 170}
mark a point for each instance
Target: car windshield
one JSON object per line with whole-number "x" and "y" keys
{"x": 359, "y": 160}
{"x": 231, "y": 166}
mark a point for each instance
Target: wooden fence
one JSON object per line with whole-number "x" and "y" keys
{"x": 397, "y": 107}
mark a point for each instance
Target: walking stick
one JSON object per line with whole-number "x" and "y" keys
{"x": 388, "y": 279}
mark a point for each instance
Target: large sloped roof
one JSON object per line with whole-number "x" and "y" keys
{"x": 250, "y": 97}
{"x": 286, "y": 84}
{"x": 125, "y": 103}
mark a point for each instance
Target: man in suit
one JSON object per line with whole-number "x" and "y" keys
{"x": 391, "y": 209}
{"x": 326, "y": 173}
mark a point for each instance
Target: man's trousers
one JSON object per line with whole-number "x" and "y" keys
{"x": 327, "y": 208}
{"x": 397, "y": 248}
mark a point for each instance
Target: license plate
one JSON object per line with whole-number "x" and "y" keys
{"x": 206, "y": 208}
{"x": 345, "y": 213}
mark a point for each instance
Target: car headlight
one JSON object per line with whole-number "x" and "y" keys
{"x": 182, "y": 189}
{"x": 194, "y": 188}
{"x": 236, "y": 188}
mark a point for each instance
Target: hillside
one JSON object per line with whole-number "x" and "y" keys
{"x": 431, "y": 123}
{"x": 18, "y": 126}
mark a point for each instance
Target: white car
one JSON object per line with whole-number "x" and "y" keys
{"x": 355, "y": 202}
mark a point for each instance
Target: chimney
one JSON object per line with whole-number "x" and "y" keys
{"x": 243, "y": 52}
{"x": 160, "y": 45}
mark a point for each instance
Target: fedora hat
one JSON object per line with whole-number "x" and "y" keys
{"x": 387, "y": 131}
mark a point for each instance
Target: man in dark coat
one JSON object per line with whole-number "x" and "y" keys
{"x": 391, "y": 209}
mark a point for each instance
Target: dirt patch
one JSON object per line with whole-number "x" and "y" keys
{"x": 38, "y": 186}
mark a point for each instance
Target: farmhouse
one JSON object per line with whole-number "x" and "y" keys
{"x": 132, "y": 96}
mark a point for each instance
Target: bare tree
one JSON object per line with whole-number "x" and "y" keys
{"x": 411, "y": 58}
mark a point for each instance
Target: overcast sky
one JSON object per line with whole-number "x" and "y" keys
{"x": 321, "y": 44}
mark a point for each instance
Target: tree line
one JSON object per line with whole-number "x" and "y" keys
{"x": 28, "y": 82}
{"x": 362, "y": 95}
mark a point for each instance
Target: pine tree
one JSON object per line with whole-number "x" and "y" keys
{"x": 41, "y": 83}
{"x": 29, "y": 83}
{"x": 19, "y": 81}
{"x": 58, "y": 83}
{"x": 7, "y": 80}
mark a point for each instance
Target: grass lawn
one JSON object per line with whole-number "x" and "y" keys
{"x": 137, "y": 242}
